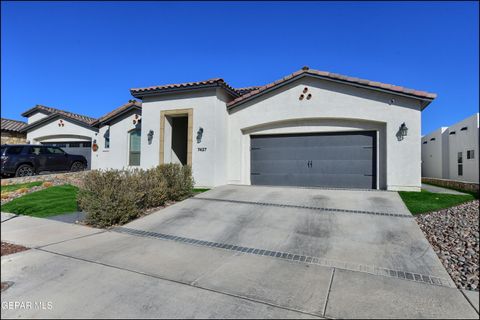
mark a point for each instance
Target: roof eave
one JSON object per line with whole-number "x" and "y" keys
{"x": 108, "y": 120}
{"x": 425, "y": 101}
{"x": 52, "y": 117}
{"x": 157, "y": 92}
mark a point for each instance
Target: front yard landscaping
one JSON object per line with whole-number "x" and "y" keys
{"x": 454, "y": 235}
{"x": 14, "y": 187}
{"x": 424, "y": 201}
{"x": 45, "y": 203}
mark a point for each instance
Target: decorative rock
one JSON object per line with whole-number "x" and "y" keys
{"x": 454, "y": 235}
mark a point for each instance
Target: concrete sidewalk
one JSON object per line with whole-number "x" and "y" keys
{"x": 85, "y": 272}
{"x": 436, "y": 189}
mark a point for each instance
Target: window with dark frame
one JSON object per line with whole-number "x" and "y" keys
{"x": 470, "y": 154}
{"x": 106, "y": 136}
{"x": 460, "y": 164}
{"x": 135, "y": 146}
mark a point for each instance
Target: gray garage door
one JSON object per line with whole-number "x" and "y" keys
{"x": 339, "y": 160}
{"x": 83, "y": 148}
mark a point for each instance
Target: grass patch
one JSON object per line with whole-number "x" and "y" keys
{"x": 13, "y": 187}
{"x": 421, "y": 202}
{"x": 45, "y": 203}
{"x": 199, "y": 190}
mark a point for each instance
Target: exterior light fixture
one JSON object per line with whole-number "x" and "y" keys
{"x": 199, "y": 135}
{"x": 150, "y": 136}
{"x": 402, "y": 132}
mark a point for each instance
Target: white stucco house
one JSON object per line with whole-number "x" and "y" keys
{"x": 310, "y": 128}
{"x": 452, "y": 152}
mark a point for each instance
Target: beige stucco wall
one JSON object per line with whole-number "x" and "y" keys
{"x": 333, "y": 107}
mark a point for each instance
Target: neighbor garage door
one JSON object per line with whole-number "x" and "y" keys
{"x": 339, "y": 160}
{"x": 83, "y": 148}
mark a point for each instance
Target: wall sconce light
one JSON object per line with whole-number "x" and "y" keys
{"x": 402, "y": 132}
{"x": 150, "y": 136}
{"x": 199, "y": 135}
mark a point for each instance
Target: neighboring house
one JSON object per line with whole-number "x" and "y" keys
{"x": 11, "y": 131}
{"x": 70, "y": 131}
{"x": 310, "y": 128}
{"x": 452, "y": 152}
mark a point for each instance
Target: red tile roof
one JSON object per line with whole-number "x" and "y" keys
{"x": 12, "y": 125}
{"x": 119, "y": 110}
{"x": 333, "y": 76}
{"x": 50, "y": 111}
{"x": 140, "y": 92}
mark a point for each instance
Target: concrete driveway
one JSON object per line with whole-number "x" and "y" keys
{"x": 237, "y": 252}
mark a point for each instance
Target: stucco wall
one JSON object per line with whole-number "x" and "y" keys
{"x": 51, "y": 132}
{"x": 115, "y": 157}
{"x": 342, "y": 108}
{"x": 209, "y": 112}
{"x": 462, "y": 141}
{"x": 432, "y": 154}
{"x": 36, "y": 116}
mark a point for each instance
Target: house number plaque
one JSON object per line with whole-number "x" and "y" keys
{"x": 202, "y": 149}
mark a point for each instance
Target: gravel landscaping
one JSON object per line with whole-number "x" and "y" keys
{"x": 454, "y": 235}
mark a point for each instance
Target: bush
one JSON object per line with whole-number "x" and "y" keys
{"x": 118, "y": 196}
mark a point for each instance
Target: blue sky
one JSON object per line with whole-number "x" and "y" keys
{"x": 84, "y": 57}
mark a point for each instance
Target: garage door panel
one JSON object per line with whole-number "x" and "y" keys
{"x": 320, "y": 166}
{"x": 313, "y": 153}
{"x": 342, "y": 159}
{"x": 328, "y": 180}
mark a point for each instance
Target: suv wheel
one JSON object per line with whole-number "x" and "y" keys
{"x": 24, "y": 170}
{"x": 77, "y": 166}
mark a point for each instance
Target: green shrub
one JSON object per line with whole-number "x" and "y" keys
{"x": 179, "y": 180}
{"x": 110, "y": 197}
{"x": 118, "y": 196}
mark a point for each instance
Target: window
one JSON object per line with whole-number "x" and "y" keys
{"x": 106, "y": 136}
{"x": 36, "y": 150}
{"x": 460, "y": 164}
{"x": 87, "y": 144}
{"x": 134, "y": 156}
{"x": 14, "y": 150}
{"x": 470, "y": 154}
{"x": 433, "y": 139}
{"x": 54, "y": 150}
{"x": 74, "y": 145}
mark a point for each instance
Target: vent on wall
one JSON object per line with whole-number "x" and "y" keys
{"x": 433, "y": 139}
{"x": 464, "y": 128}
{"x": 453, "y": 132}
{"x": 424, "y": 142}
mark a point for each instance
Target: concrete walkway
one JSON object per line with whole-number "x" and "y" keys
{"x": 87, "y": 272}
{"x": 436, "y": 189}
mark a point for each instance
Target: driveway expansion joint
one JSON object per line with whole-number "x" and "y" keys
{"x": 329, "y": 210}
{"x": 296, "y": 258}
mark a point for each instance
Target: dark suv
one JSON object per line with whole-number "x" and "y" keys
{"x": 27, "y": 160}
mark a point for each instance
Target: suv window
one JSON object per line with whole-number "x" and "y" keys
{"x": 54, "y": 150}
{"x": 37, "y": 150}
{"x": 14, "y": 150}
